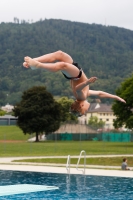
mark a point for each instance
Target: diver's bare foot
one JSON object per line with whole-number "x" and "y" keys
{"x": 25, "y": 64}
{"x": 30, "y": 62}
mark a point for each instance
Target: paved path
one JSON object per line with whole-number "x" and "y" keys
{"x": 7, "y": 164}
{"x": 62, "y": 170}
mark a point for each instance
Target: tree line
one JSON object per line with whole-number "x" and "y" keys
{"x": 102, "y": 51}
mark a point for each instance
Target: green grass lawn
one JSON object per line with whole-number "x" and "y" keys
{"x": 12, "y": 133}
{"x": 114, "y": 161}
{"x": 20, "y": 146}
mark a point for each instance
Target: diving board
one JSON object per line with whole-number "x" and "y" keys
{"x": 24, "y": 188}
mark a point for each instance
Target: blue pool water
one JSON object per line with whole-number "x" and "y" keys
{"x": 70, "y": 187}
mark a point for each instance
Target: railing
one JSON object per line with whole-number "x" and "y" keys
{"x": 68, "y": 164}
{"x": 79, "y": 161}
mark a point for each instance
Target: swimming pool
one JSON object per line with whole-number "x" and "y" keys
{"x": 70, "y": 187}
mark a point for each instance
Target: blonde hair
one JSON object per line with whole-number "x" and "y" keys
{"x": 75, "y": 108}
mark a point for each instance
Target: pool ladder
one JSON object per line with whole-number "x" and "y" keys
{"x": 68, "y": 162}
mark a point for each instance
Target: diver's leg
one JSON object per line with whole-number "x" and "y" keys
{"x": 52, "y": 57}
{"x": 67, "y": 68}
{"x": 55, "y": 56}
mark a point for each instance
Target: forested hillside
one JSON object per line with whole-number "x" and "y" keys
{"x": 105, "y": 52}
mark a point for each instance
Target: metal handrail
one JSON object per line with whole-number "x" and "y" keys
{"x": 84, "y": 161}
{"x": 68, "y": 164}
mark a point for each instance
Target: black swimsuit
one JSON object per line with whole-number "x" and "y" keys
{"x": 74, "y": 78}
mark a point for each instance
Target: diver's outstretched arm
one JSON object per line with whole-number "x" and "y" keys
{"x": 105, "y": 95}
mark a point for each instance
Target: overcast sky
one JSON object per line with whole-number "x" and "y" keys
{"x": 106, "y": 12}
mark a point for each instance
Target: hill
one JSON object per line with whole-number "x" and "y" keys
{"x": 105, "y": 52}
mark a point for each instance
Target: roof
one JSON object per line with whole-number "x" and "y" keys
{"x": 99, "y": 107}
{"x": 75, "y": 128}
{"x": 8, "y": 117}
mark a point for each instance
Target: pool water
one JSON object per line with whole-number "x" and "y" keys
{"x": 70, "y": 187}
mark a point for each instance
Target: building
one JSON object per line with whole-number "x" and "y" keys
{"x": 74, "y": 128}
{"x": 8, "y": 108}
{"x": 8, "y": 120}
{"x": 103, "y": 112}
{"x": 73, "y": 131}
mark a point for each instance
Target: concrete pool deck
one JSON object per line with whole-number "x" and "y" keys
{"x": 7, "y": 164}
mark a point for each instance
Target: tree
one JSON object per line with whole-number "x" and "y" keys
{"x": 2, "y": 112}
{"x": 124, "y": 112}
{"x": 66, "y": 103}
{"x": 38, "y": 112}
{"x": 93, "y": 121}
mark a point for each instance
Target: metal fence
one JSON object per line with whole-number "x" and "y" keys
{"x": 108, "y": 137}
{"x": 8, "y": 121}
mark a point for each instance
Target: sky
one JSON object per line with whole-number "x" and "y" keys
{"x": 105, "y": 12}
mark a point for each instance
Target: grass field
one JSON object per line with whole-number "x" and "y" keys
{"x": 25, "y": 148}
{"x": 114, "y": 161}
{"x": 12, "y": 133}
{"x": 14, "y": 143}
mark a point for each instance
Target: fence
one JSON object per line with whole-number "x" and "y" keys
{"x": 108, "y": 137}
{"x": 4, "y": 122}
{"x": 8, "y": 120}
